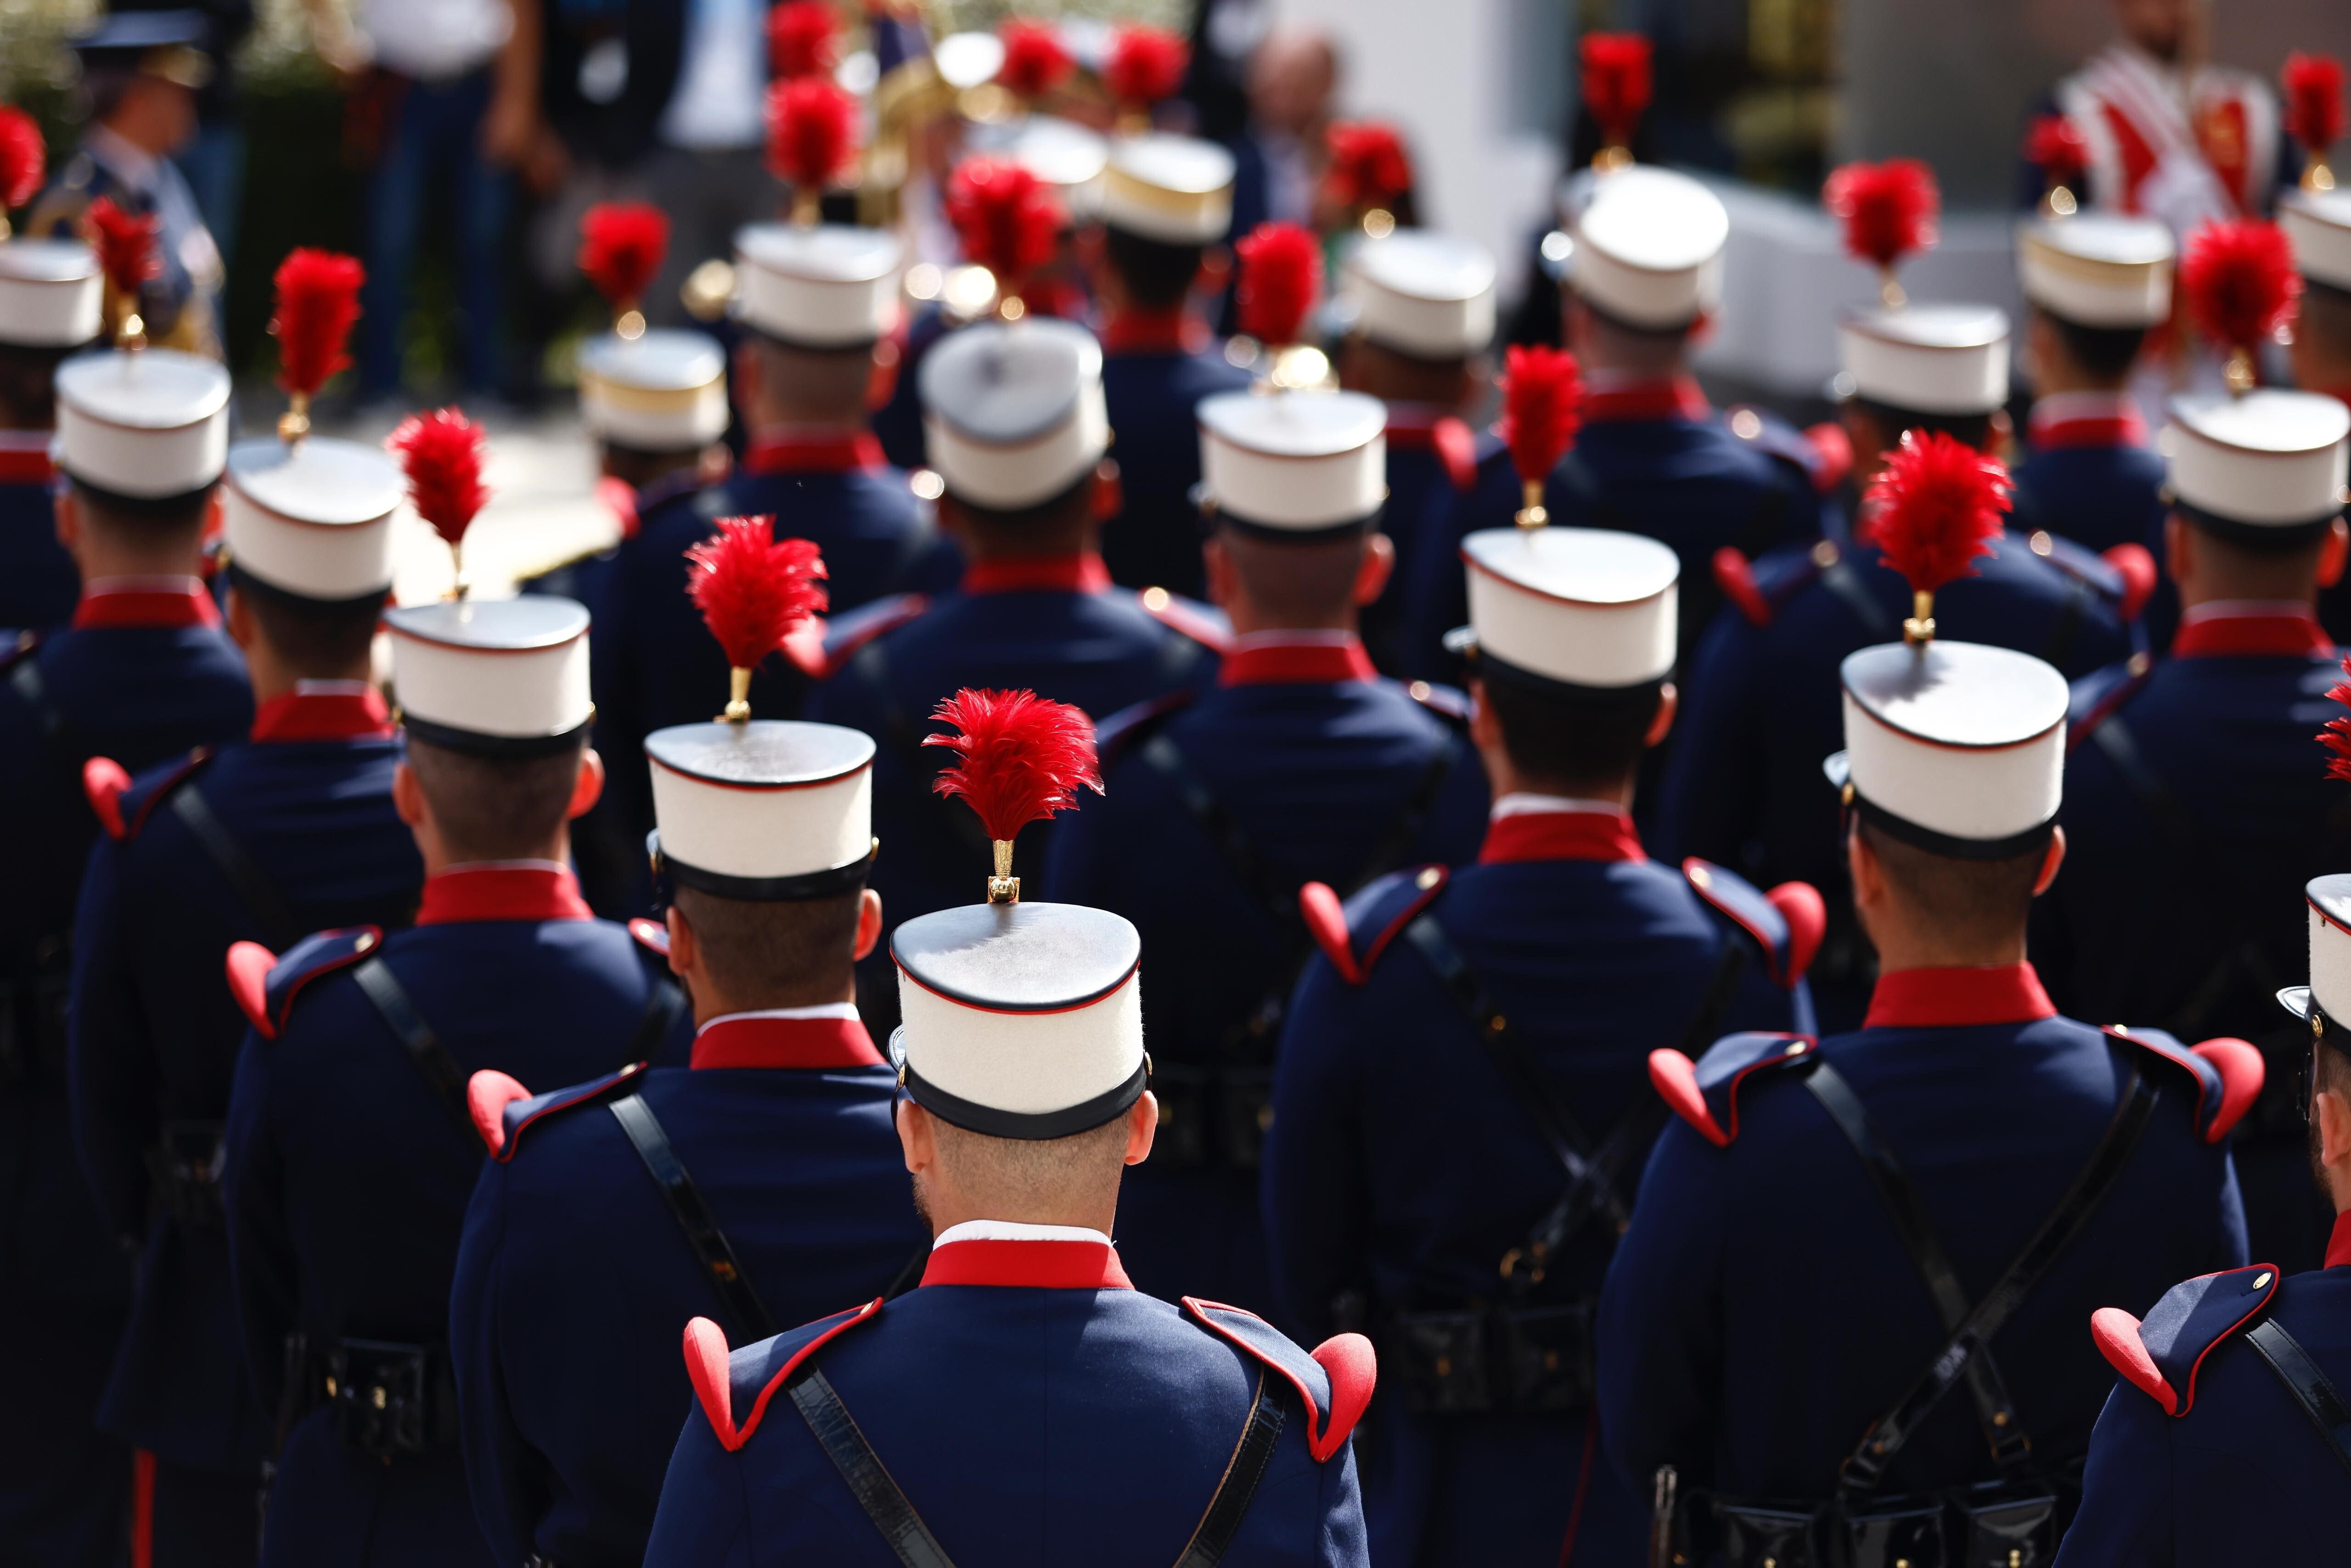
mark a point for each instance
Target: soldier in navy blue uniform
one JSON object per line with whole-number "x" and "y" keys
{"x": 2191, "y": 796}
{"x": 143, "y": 674}
{"x": 2319, "y": 225}
{"x": 1166, "y": 199}
{"x": 1019, "y": 433}
{"x": 1422, "y": 315}
{"x": 1025, "y": 1404}
{"x": 1838, "y": 1233}
{"x": 1653, "y": 458}
{"x": 1743, "y": 786}
{"x": 781, "y": 1124}
{"x": 1302, "y": 765}
{"x": 289, "y": 830}
{"x": 350, "y": 1152}
{"x": 1467, "y": 1214}
{"x": 2224, "y": 1442}
{"x": 50, "y": 297}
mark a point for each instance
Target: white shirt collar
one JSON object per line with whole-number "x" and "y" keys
{"x": 1012, "y": 1230}
{"x": 1520, "y": 803}
{"x": 2233, "y": 609}
{"x": 1319, "y": 638}
{"x": 2057, "y": 406}
{"x": 821, "y": 1010}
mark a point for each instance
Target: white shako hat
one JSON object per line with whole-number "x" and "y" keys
{"x": 2099, "y": 269}
{"x": 1176, "y": 190}
{"x": 147, "y": 424}
{"x": 1063, "y": 154}
{"x": 1958, "y": 748}
{"x": 2325, "y": 1002}
{"x": 1014, "y": 411}
{"x": 767, "y": 811}
{"x": 1294, "y": 464}
{"x": 504, "y": 678}
{"x": 2319, "y": 225}
{"x": 2259, "y": 464}
{"x": 51, "y": 294}
{"x": 662, "y": 390}
{"x": 1425, "y": 294}
{"x": 1927, "y": 359}
{"x": 832, "y": 286}
{"x": 312, "y": 517}
{"x": 1648, "y": 248}
{"x": 1581, "y": 610}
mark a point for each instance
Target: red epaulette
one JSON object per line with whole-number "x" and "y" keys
{"x": 107, "y": 784}
{"x": 502, "y": 1108}
{"x": 1705, "y": 1093}
{"x": 265, "y": 986}
{"x": 1353, "y": 935}
{"x": 1335, "y": 1381}
{"x": 1786, "y": 923}
{"x": 1116, "y": 735}
{"x": 651, "y": 935}
{"x": 2229, "y": 1074}
{"x": 2161, "y": 1357}
{"x": 1194, "y": 621}
{"x": 724, "y": 1383}
{"x": 845, "y": 635}
{"x": 1447, "y": 702}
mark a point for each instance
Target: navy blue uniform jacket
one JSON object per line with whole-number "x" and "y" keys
{"x": 308, "y": 801}
{"x": 1300, "y": 766}
{"x": 1151, "y": 385}
{"x": 2201, "y": 1454}
{"x": 785, "y": 1126}
{"x": 39, "y": 582}
{"x": 2093, "y": 480}
{"x": 1435, "y": 464}
{"x": 1036, "y": 1410}
{"x": 1402, "y": 1166}
{"x": 1763, "y": 1311}
{"x": 347, "y": 1176}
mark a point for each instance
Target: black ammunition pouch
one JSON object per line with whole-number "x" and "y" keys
{"x": 33, "y": 1026}
{"x": 184, "y": 1164}
{"x": 1211, "y": 1115}
{"x": 1480, "y": 1360}
{"x": 2012, "y": 1523}
{"x": 388, "y": 1399}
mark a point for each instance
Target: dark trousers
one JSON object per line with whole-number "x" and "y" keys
{"x": 205, "y": 1519}
{"x": 434, "y": 135}
{"x": 65, "y": 1487}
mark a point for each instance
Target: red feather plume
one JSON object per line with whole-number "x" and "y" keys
{"x": 2240, "y": 281}
{"x": 1145, "y": 65}
{"x": 318, "y": 302}
{"x": 2057, "y": 145}
{"x": 811, "y": 133}
{"x": 2336, "y": 735}
{"x": 2313, "y": 100}
{"x": 125, "y": 244}
{"x": 621, "y": 248}
{"x": 24, "y": 158}
{"x": 1035, "y": 63}
{"x": 1369, "y": 167}
{"x": 1019, "y": 758}
{"x": 753, "y": 588}
{"x": 441, "y": 452}
{"x": 1617, "y": 82}
{"x": 1007, "y": 218}
{"x": 803, "y": 39}
{"x": 1281, "y": 276}
{"x": 1888, "y": 209}
{"x": 1935, "y": 507}
{"x": 1541, "y": 408}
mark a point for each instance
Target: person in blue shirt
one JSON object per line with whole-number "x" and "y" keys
{"x": 1166, "y": 200}
{"x": 289, "y": 830}
{"x": 2223, "y": 1441}
{"x": 350, "y": 1153}
{"x": 1849, "y": 1309}
{"x": 2193, "y": 795}
{"x": 1302, "y": 764}
{"x": 143, "y": 674}
{"x": 1019, "y": 433}
{"x": 50, "y": 294}
{"x": 1459, "y": 1102}
{"x": 777, "y": 1129}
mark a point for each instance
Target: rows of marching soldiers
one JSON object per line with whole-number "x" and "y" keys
{"x": 398, "y": 1074}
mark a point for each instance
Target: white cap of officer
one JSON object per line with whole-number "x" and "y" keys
{"x": 1927, "y": 359}
{"x": 1060, "y": 153}
{"x": 662, "y": 390}
{"x": 828, "y": 287}
{"x": 2325, "y": 1002}
{"x": 1581, "y": 610}
{"x": 145, "y": 424}
{"x": 2267, "y": 461}
{"x": 52, "y": 294}
{"x": 1427, "y": 295}
{"x": 1648, "y": 248}
{"x": 1014, "y": 411}
{"x": 2099, "y": 269}
{"x": 500, "y": 678}
{"x": 1176, "y": 190}
{"x": 765, "y": 811}
{"x": 2318, "y": 223}
{"x": 1294, "y": 464}
{"x": 312, "y": 517}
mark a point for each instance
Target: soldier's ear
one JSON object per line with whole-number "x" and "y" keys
{"x": 869, "y": 924}
{"x": 684, "y": 950}
{"x": 2333, "y": 554}
{"x": 407, "y": 795}
{"x": 589, "y": 786}
{"x": 1142, "y": 1127}
{"x": 68, "y": 511}
{"x": 1378, "y": 564}
{"x": 1485, "y": 729}
{"x": 1669, "y": 701}
{"x": 238, "y": 618}
{"x": 2051, "y": 859}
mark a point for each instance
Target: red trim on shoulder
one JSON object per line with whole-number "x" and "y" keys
{"x": 2115, "y": 1333}
{"x": 1326, "y": 922}
{"x": 896, "y": 614}
{"x": 104, "y": 780}
{"x": 619, "y": 497}
{"x": 651, "y": 935}
{"x": 1675, "y": 1078}
{"x": 1348, "y": 1360}
{"x": 803, "y": 648}
{"x": 1422, "y": 901}
{"x": 1833, "y": 448}
{"x": 706, "y": 1367}
{"x": 1807, "y": 913}
{"x": 248, "y": 965}
{"x": 2257, "y": 1303}
{"x": 487, "y": 1094}
{"x": 1735, "y": 575}
{"x": 2135, "y": 564}
{"x": 1177, "y": 616}
{"x": 504, "y": 1153}
{"x": 1325, "y": 1432}
{"x": 2242, "y": 1072}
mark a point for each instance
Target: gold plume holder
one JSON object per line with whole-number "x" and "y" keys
{"x": 1920, "y": 629}
{"x": 295, "y": 423}
{"x": 1377, "y": 222}
{"x": 808, "y": 207}
{"x": 1003, "y": 888}
{"x": 2059, "y": 201}
{"x": 2238, "y": 372}
{"x": 1611, "y": 158}
{"x": 1534, "y": 514}
{"x": 1889, "y": 291}
{"x": 457, "y": 583}
{"x": 1009, "y": 305}
{"x": 738, "y": 696}
{"x": 2316, "y": 175}
{"x": 5, "y": 230}
{"x": 630, "y": 323}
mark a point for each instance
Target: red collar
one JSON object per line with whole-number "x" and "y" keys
{"x": 27, "y": 464}
{"x": 1302, "y": 662}
{"x": 1675, "y": 399}
{"x": 502, "y": 893}
{"x": 1080, "y": 573}
{"x": 749, "y": 1041}
{"x": 354, "y": 712}
{"x": 1419, "y": 428}
{"x": 160, "y": 601}
{"x": 2339, "y": 1245}
{"x": 2277, "y": 636}
{"x": 1176, "y": 332}
{"x": 1948, "y": 998}
{"x": 1046, "y": 1265}
{"x": 1560, "y": 836}
{"x": 2123, "y": 428}
{"x": 813, "y": 451}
